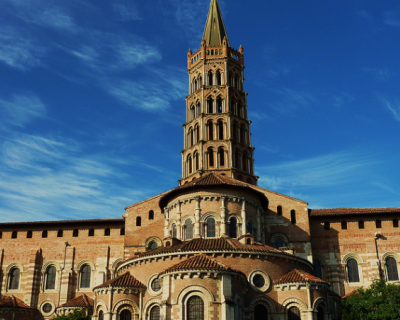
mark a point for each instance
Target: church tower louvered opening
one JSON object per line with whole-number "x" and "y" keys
{"x": 217, "y": 131}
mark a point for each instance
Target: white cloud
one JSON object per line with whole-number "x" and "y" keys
{"x": 126, "y": 10}
{"x": 21, "y": 109}
{"x": 291, "y": 100}
{"x": 393, "y": 104}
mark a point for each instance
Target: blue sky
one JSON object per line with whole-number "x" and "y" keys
{"x": 92, "y": 100}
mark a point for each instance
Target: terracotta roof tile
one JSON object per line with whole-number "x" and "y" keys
{"x": 298, "y": 276}
{"x": 350, "y": 294}
{"x": 199, "y": 262}
{"x": 82, "y": 301}
{"x": 351, "y": 211}
{"x": 87, "y": 221}
{"x": 12, "y": 302}
{"x": 125, "y": 280}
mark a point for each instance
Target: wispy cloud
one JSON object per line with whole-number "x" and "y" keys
{"x": 364, "y": 14}
{"x": 291, "y": 100}
{"x": 19, "y": 51}
{"x": 381, "y": 74}
{"x": 393, "y": 105}
{"x": 391, "y": 19}
{"x": 21, "y": 109}
{"x": 342, "y": 99}
{"x": 126, "y": 10}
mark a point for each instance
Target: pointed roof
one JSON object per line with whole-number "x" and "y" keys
{"x": 123, "y": 281}
{"x": 215, "y": 31}
{"x": 12, "y": 302}
{"x": 199, "y": 262}
{"x": 82, "y": 301}
{"x": 298, "y": 276}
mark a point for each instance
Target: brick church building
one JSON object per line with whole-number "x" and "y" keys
{"x": 216, "y": 247}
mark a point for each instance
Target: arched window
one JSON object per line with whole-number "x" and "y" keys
{"x": 327, "y": 225}
{"x": 244, "y": 162}
{"x": 200, "y": 81}
{"x": 320, "y": 313}
{"x": 155, "y": 313}
{"x": 210, "y": 227}
{"x": 260, "y": 312}
{"x": 174, "y": 233}
{"x": 153, "y": 245}
{"x": 85, "y": 276}
{"x": 233, "y": 228}
{"x": 211, "y": 157}
{"x": 293, "y": 217}
{"x": 198, "y": 111}
{"x": 221, "y": 156}
{"x": 190, "y": 164}
{"x": 234, "y": 131}
{"x": 122, "y": 232}
{"x": 279, "y": 209}
{"x": 218, "y": 76}
{"x": 195, "y": 308}
{"x": 125, "y": 315}
{"x": 378, "y": 224}
{"x": 192, "y": 113}
{"x": 14, "y": 279}
{"x": 189, "y": 229}
{"x": 101, "y": 315}
{"x": 279, "y": 243}
{"x": 317, "y": 268}
{"x": 352, "y": 271}
{"x": 51, "y": 278}
{"x": 220, "y": 130}
{"x": 28, "y": 234}
{"x": 241, "y": 110}
{"x": 361, "y": 224}
{"x": 107, "y": 232}
{"x": 138, "y": 221}
{"x": 210, "y": 130}
{"x": 237, "y": 160}
{"x": 151, "y": 215}
{"x": 14, "y": 235}
{"x": 344, "y": 225}
{"x": 209, "y": 105}
{"x": 60, "y": 233}
{"x": 44, "y": 234}
{"x": 196, "y": 161}
{"x": 294, "y": 313}
{"x": 242, "y": 134}
{"x": 249, "y": 227}
{"x": 219, "y": 105}
{"x": 75, "y": 233}
{"x": 91, "y": 233}
{"x": 391, "y": 269}
{"x": 210, "y": 78}
{"x": 197, "y": 129}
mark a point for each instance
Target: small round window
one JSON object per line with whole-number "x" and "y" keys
{"x": 258, "y": 281}
{"x": 153, "y": 245}
{"x": 156, "y": 285}
{"x": 47, "y": 308}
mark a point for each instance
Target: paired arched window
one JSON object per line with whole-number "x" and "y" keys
{"x": 219, "y": 105}
{"x": 293, "y": 217}
{"x": 260, "y": 312}
{"x": 195, "y": 308}
{"x": 210, "y": 78}
{"x": 220, "y": 130}
{"x": 14, "y": 279}
{"x": 85, "y": 276}
{"x": 155, "y": 313}
{"x": 211, "y": 161}
{"x": 107, "y": 232}
{"x": 233, "y": 228}
{"x": 196, "y": 160}
{"x": 221, "y": 156}
{"x": 210, "y": 132}
{"x": 352, "y": 270}
{"x": 189, "y": 229}
{"x": 211, "y": 231}
{"x": 138, "y": 221}
{"x": 174, "y": 233}
{"x": 294, "y": 313}
{"x": 279, "y": 209}
{"x": 391, "y": 269}
{"x": 51, "y": 278}
{"x": 125, "y": 315}
{"x": 317, "y": 268}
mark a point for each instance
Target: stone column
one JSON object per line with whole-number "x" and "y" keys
{"x": 178, "y": 221}
{"x": 244, "y": 220}
{"x": 223, "y": 218}
{"x": 197, "y": 219}
{"x": 166, "y": 217}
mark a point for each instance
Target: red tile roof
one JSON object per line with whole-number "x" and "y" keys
{"x": 82, "y": 301}
{"x": 124, "y": 280}
{"x": 199, "y": 262}
{"x": 350, "y": 294}
{"x": 351, "y": 211}
{"x": 218, "y": 244}
{"x": 74, "y": 222}
{"x": 12, "y": 302}
{"x": 298, "y": 276}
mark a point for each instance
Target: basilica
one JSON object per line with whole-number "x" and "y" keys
{"x": 217, "y": 246}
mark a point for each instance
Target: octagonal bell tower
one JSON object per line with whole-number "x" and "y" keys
{"x": 217, "y": 131}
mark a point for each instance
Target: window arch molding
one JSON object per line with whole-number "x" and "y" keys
{"x": 354, "y": 256}
{"x": 279, "y": 236}
{"x": 115, "y": 266}
{"x": 207, "y": 215}
{"x": 234, "y": 215}
{"x": 153, "y": 239}
{"x": 320, "y": 302}
{"x": 8, "y": 275}
{"x": 100, "y": 306}
{"x": 396, "y": 258}
{"x": 391, "y": 255}
{"x": 360, "y": 262}
{"x": 171, "y": 222}
{"x": 44, "y": 271}
{"x": 126, "y": 304}
{"x": 265, "y": 301}
{"x": 192, "y": 291}
{"x": 322, "y": 262}
{"x": 153, "y": 302}
{"x": 78, "y": 270}
{"x": 14, "y": 265}
{"x": 293, "y": 302}
{"x": 188, "y": 217}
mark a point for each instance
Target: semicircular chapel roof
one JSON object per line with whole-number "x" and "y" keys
{"x": 82, "y": 301}
{"x": 299, "y": 276}
{"x": 125, "y": 280}
{"x": 13, "y": 302}
{"x": 211, "y": 179}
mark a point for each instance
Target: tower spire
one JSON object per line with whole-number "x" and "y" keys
{"x": 214, "y": 31}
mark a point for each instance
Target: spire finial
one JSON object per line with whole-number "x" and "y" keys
{"x": 214, "y": 31}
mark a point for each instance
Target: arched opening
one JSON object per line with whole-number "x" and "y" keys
{"x": 51, "y": 278}
{"x": 221, "y": 156}
{"x": 279, "y": 210}
{"x": 189, "y": 164}
{"x": 200, "y": 81}
{"x": 327, "y": 225}
{"x": 44, "y": 234}
{"x": 14, "y": 279}
{"x": 153, "y": 245}
{"x": 151, "y": 215}
{"x": 220, "y": 130}
{"x": 235, "y": 131}
{"x": 344, "y": 225}
{"x": 209, "y": 105}
{"x": 242, "y": 135}
{"x": 192, "y": 113}
{"x": 233, "y": 228}
{"x": 237, "y": 160}
{"x": 249, "y": 227}
{"x": 28, "y": 234}
{"x": 174, "y": 233}
{"x": 91, "y": 233}
{"x": 196, "y": 161}
{"x": 195, "y": 308}
{"x": 210, "y": 157}
{"x": 378, "y": 224}
{"x": 101, "y": 315}
{"x": 218, "y": 76}
{"x": 155, "y": 313}
{"x": 244, "y": 162}
{"x": 85, "y": 276}
{"x": 278, "y": 243}
{"x": 107, "y": 232}
{"x": 210, "y": 223}
{"x": 260, "y": 312}
{"x": 317, "y": 268}
{"x": 320, "y": 313}
{"x": 294, "y": 313}
{"x": 14, "y": 235}
{"x": 125, "y": 315}
{"x": 391, "y": 269}
{"x": 361, "y": 224}
{"x": 210, "y": 77}
{"x": 197, "y": 133}
{"x": 138, "y": 221}
{"x": 219, "y": 105}
{"x": 75, "y": 233}
{"x": 352, "y": 271}
{"x": 198, "y": 109}
{"x": 210, "y": 126}
{"x": 188, "y": 229}
{"x": 60, "y": 233}
{"x": 241, "y": 110}
{"x": 293, "y": 217}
